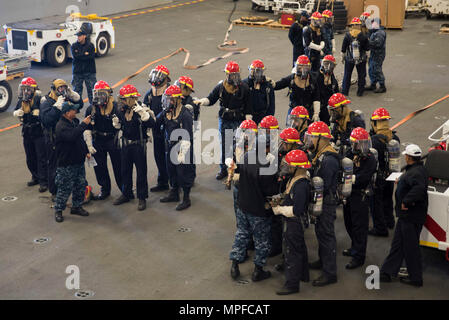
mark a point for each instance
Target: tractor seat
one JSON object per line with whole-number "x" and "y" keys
{"x": 437, "y": 166}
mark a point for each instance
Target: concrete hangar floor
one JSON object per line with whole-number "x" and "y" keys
{"x": 125, "y": 254}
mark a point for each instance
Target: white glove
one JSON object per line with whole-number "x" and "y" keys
{"x": 229, "y": 162}
{"x": 248, "y": 116}
{"x": 73, "y": 95}
{"x": 88, "y": 139}
{"x": 116, "y": 122}
{"x": 284, "y": 210}
{"x": 270, "y": 158}
{"x": 316, "y": 111}
{"x": 317, "y": 47}
{"x": 236, "y": 177}
{"x": 185, "y": 145}
{"x": 353, "y": 178}
{"x": 272, "y": 82}
{"x": 18, "y": 113}
{"x": 322, "y": 52}
{"x": 202, "y": 102}
{"x": 151, "y": 113}
{"x": 141, "y": 112}
{"x": 59, "y": 102}
{"x": 333, "y": 47}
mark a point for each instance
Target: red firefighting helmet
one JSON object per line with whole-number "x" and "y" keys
{"x": 319, "y": 128}
{"x": 173, "y": 91}
{"x": 28, "y": 81}
{"x": 337, "y": 100}
{"x": 359, "y": 134}
{"x": 355, "y": 20}
{"x": 290, "y": 135}
{"x": 163, "y": 69}
{"x": 248, "y": 124}
{"x": 380, "y": 114}
{"x": 303, "y": 60}
{"x": 269, "y": 122}
{"x": 299, "y": 112}
{"x": 298, "y": 158}
{"x": 187, "y": 81}
{"x": 257, "y": 64}
{"x": 128, "y": 91}
{"x": 327, "y": 14}
{"x": 330, "y": 58}
{"x": 316, "y": 15}
{"x": 101, "y": 85}
{"x": 232, "y": 67}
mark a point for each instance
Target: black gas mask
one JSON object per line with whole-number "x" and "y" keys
{"x": 169, "y": 103}
{"x": 156, "y": 78}
{"x": 62, "y": 91}
{"x": 335, "y": 113}
{"x": 27, "y": 93}
{"x": 302, "y": 71}
{"x": 233, "y": 78}
{"x": 256, "y": 74}
{"x": 100, "y": 97}
{"x": 327, "y": 67}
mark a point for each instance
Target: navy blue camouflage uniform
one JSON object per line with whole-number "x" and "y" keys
{"x": 71, "y": 151}
{"x": 49, "y": 117}
{"x": 377, "y": 44}
{"x": 328, "y": 35}
{"x": 253, "y": 219}
{"x": 83, "y": 67}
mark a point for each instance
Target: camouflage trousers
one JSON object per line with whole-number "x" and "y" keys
{"x": 258, "y": 228}
{"x": 375, "y": 70}
{"x": 70, "y": 180}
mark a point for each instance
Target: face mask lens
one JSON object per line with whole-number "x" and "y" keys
{"x": 257, "y": 74}
{"x": 156, "y": 78}
{"x": 62, "y": 90}
{"x": 234, "y": 78}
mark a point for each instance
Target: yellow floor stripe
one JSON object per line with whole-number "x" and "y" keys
{"x": 157, "y": 9}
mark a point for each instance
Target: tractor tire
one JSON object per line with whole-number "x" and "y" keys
{"x": 103, "y": 44}
{"x": 5, "y": 96}
{"x": 56, "y": 54}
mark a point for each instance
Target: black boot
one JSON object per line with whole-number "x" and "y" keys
{"x": 101, "y": 196}
{"x": 221, "y": 175}
{"x": 43, "y": 189}
{"x": 347, "y": 252}
{"x": 142, "y": 205}
{"x": 79, "y": 211}
{"x": 58, "y": 216}
{"x": 372, "y": 87}
{"x": 235, "y": 271}
{"x": 354, "y": 263}
{"x": 381, "y": 89}
{"x": 411, "y": 282}
{"x": 159, "y": 188}
{"x": 360, "y": 92}
{"x": 260, "y": 274}
{"x": 373, "y": 232}
{"x": 280, "y": 267}
{"x": 120, "y": 200}
{"x": 185, "y": 200}
{"x": 285, "y": 291}
{"x": 324, "y": 280}
{"x": 173, "y": 196}
{"x": 32, "y": 182}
